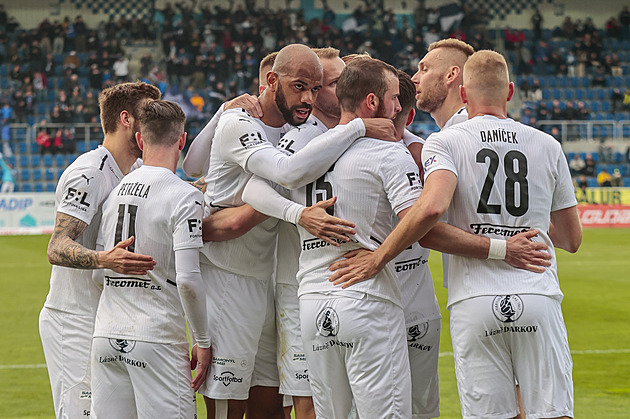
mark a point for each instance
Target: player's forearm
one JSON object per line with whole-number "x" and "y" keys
{"x": 446, "y": 238}
{"x": 230, "y": 223}
{"x": 63, "y": 251}
{"x": 264, "y": 198}
{"x": 311, "y": 162}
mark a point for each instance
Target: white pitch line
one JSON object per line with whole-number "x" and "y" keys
{"x": 442, "y": 354}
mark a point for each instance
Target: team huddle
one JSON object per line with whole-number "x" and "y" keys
{"x": 298, "y": 261}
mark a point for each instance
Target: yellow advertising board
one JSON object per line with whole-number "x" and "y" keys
{"x": 603, "y": 196}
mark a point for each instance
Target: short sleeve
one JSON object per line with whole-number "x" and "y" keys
{"x": 83, "y": 192}
{"x": 187, "y": 221}
{"x": 564, "y": 192}
{"x": 436, "y": 156}
{"x": 239, "y": 137}
{"x": 401, "y": 178}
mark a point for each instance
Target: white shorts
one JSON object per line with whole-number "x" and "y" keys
{"x": 67, "y": 341}
{"x": 356, "y": 349}
{"x": 423, "y": 343}
{"x": 141, "y": 379}
{"x": 500, "y": 339}
{"x": 292, "y": 364}
{"x": 265, "y": 365}
{"x": 237, "y": 307}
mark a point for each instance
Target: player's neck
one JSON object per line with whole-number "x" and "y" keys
{"x": 120, "y": 147}
{"x": 500, "y": 111}
{"x": 166, "y": 157}
{"x": 271, "y": 114}
{"x": 328, "y": 120}
{"x": 449, "y": 108}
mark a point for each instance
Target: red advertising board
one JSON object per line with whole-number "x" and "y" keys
{"x": 604, "y": 215}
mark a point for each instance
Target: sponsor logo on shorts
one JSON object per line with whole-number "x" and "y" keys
{"x": 86, "y": 413}
{"x": 121, "y": 358}
{"x": 227, "y": 378}
{"x": 507, "y": 308}
{"x": 302, "y": 376}
{"x": 218, "y": 360}
{"x": 299, "y": 357}
{"x": 417, "y": 331}
{"x": 85, "y": 395}
{"x": 327, "y": 322}
{"x": 327, "y": 345}
{"x": 123, "y": 345}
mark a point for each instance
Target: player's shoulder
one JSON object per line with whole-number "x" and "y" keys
{"x": 90, "y": 165}
{"x": 236, "y": 117}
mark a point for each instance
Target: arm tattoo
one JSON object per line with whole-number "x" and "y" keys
{"x": 199, "y": 184}
{"x": 63, "y": 250}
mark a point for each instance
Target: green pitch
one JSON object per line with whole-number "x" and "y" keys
{"x": 595, "y": 281}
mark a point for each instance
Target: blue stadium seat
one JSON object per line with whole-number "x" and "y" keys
{"x": 60, "y": 172}
{"x": 48, "y": 160}
{"x": 60, "y": 161}
{"x": 36, "y": 160}
{"x": 50, "y": 187}
{"x": 580, "y": 94}
{"x": 568, "y": 94}
{"x": 585, "y": 81}
{"x": 11, "y": 160}
{"x": 591, "y": 182}
{"x": 24, "y": 161}
{"x": 574, "y": 82}
{"x": 546, "y": 93}
{"x": 81, "y": 147}
{"x": 27, "y": 187}
{"x": 626, "y": 181}
{"x": 25, "y": 174}
{"x": 71, "y": 158}
{"x": 37, "y": 174}
{"x": 600, "y": 93}
{"x": 50, "y": 174}
{"x": 22, "y": 147}
{"x": 39, "y": 187}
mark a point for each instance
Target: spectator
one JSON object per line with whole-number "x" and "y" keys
{"x": 616, "y": 99}
{"x": 537, "y": 21}
{"x": 605, "y": 151}
{"x": 577, "y": 165}
{"x": 582, "y": 184}
{"x": 44, "y": 139}
{"x": 8, "y": 176}
{"x": 624, "y": 21}
{"x": 589, "y": 170}
{"x": 604, "y": 179}
{"x": 72, "y": 61}
{"x": 121, "y": 69}
{"x": 6, "y": 117}
{"x": 617, "y": 179}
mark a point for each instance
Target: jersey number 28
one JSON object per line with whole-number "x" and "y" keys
{"x": 515, "y": 175}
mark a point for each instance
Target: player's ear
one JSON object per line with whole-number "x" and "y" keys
{"x": 452, "y": 74}
{"x": 462, "y": 93}
{"x": 125, "y": 119}
{"x": 412, "y": 114}
{"x": 182, "y": 141}
{"x": 272, "y": 80}
{"x": 510, "y": 91}
{"x": 371, "y": 102}
{"x": 139, "y": 140}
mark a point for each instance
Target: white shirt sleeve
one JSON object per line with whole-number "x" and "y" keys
{"x": 192, "y": 294}
{"x": 261, "y": 195}
{"x": 436, "y": 156}
{"x": 198, "y": 157}
{"x": 410, "y": 138}
{"x": 401, "y": 180}
{"x": 83, "y": 193}
{"x": 309, "y": 163}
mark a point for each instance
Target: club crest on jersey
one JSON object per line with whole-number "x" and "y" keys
{"x": 507, "y": 308}
{"x": 327, "y": 322}
{"x": 122, "y": 345}
{"x": 417, "y": 331}
{"x": 428, "y": 162}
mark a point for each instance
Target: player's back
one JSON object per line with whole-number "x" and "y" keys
{"x": 80, "y": 193}
{"x": 372, "y": 180}
{"x": 509, "y": 178}
{"x": 163, "y": 213}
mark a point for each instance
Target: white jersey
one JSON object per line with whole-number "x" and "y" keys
{"x": 460, "y": 116}
{"x": 372, "y": 180}
{"x": 80, "y": 193}
{"x": 509, "y": 178}
{"x": 237, "y": 137}
{"x": 288, "y": 253}
{"x": 164, "y": 214}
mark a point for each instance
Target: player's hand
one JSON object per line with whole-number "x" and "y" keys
{"x": 523, "y": 253}
{"x": 203, "y": 356}
{"x": 248, "y": 102}
{"x": 358, "y": 266}
{"x": 120, "y": 260}
{"x": 319, "y": 223}
{"x": 380, "y": 128}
